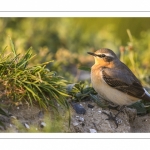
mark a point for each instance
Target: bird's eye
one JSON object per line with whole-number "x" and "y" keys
{"x": 102, "y": 55}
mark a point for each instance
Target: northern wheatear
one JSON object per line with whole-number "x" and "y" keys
{"x": 114, "y": 81}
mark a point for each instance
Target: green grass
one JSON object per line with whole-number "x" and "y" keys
{"x": 135, "y": 54}
{"x": 31, "y": 84}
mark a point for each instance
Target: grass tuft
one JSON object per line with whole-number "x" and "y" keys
{"x": 32, "y": 84}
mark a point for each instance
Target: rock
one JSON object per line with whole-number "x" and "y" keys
{"x": 13, "y": 117}
{"x": 42, "y": 124}
{"x": 93, "y": 131}
{"x": 81, "y": 119}
{"x": 26, "y": 125}
{"x": 78, "y": 108}
{"x": 41, "y": 114}
{"x": 75, "y": 123}
{"x": 90, "y": 106}
{"x": 10, "y": 125}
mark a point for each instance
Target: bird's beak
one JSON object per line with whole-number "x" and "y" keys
{"x": 92, "y": 53}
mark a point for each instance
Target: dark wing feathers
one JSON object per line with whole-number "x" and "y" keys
{"x": 123, "y": 81}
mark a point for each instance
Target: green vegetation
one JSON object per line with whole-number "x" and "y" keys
{"x": 30, "y": 83}
{"x": 136, "y": 55}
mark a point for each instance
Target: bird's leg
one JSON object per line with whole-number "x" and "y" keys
{"x": 119, "y": 111}
{"x": 114, "y": 118}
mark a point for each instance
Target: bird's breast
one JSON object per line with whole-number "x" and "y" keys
{"x": 107, "y": 92}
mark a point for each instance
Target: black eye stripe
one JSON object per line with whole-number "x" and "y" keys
{"x": 101, "y": 55}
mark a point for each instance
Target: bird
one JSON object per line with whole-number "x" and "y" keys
{"x": 114, "y": 81}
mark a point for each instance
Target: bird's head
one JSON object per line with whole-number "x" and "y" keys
{"x": 104, "y": 57}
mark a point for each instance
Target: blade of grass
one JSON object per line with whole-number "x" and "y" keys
{"x": 12, "y": 47}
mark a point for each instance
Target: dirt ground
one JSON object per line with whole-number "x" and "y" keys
{"x": 93, "y": 121}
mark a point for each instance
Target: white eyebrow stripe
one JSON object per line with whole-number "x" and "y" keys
{"x": 107, "y": 54}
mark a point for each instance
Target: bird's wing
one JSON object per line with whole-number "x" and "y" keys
{"x": 125, "y": 81}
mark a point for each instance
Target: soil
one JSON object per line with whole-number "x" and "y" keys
{"x": 93, "y": 121}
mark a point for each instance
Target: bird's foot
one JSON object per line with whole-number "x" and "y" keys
{"x": 114, "y": 118}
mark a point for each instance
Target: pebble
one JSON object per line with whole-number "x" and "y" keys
{"x": 41, "y": 114}
{"x": 119, "y": 121}
{"x": 81, "y": 119}
{"x": 78, "y": 108}
{"x": 90, "y": 106}
{"x": 14, "y": 117}
{"x": 93, "y": 131}
{"x": 75, "y": 123}
{"x": 26, "y": 125}
{"x": 43, "y": 124}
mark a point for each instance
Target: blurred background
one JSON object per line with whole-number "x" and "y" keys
{"x": 67, "y": 41}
